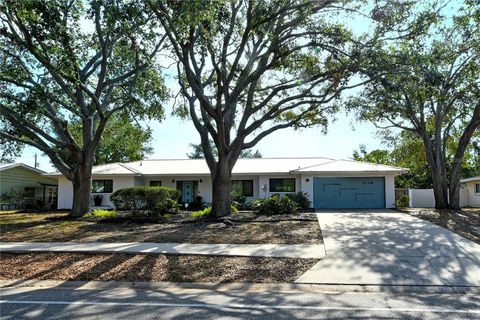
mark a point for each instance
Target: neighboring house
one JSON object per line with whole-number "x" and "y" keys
{"x": 26, "y": 186}
{"x": 470, "y": 192}
{"x": 329, "y": 183}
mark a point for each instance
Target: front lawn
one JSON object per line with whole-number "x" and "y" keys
{"x": 55, "y": 227}
{"x": 151, "y": 267}
{"x": 465, "y": 222}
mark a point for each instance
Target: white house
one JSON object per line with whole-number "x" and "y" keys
{"x": 470, "y": 192}
{"x": 329, "y": 183}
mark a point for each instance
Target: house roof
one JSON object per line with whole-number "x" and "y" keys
{"x": 470, "y": 179}
{"x": 5, "y": 166}
{"x": 242, "y": 167}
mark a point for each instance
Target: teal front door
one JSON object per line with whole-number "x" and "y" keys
{"x": 349, "y": 193}
{"x": 187, "y": 192}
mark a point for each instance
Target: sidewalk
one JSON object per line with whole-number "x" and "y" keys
{"x": 304, "y": 251}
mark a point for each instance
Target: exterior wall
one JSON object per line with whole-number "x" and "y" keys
{"x": 473, "y": 198}
{"x": 307, "y": 186}
{"x": 303, "y": 183}
{"x": 65, "y": 189}
{"x": 19, "y": 178}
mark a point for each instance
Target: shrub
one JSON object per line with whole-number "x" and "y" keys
{"x": 275, "y": 205}
{"x": 300, "y": 198}
{"x": 98, "y": 213}
{"x": 208, "y": 210}
{"x": 402, "y": 202}
{"x": 240, "y": 202}
{"x": 155, "y": 199}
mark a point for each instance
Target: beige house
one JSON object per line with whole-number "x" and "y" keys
{"x": 470, "y": 192}
{"x": 26, "y": 187}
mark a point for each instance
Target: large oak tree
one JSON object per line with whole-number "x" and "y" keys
{"x": 75, "y": 61}
{"x": 429, "y": 85}
{"x": 248, "y": 68}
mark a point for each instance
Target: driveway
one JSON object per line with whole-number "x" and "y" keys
{"x": 392, "y": 248}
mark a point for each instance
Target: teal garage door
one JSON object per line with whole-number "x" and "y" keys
{"x": 349, "y": 193}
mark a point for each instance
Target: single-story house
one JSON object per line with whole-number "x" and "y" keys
{"x": 470, "y": 192}
{"x": 328, "y": 183}
{"x": 23, "y": 185}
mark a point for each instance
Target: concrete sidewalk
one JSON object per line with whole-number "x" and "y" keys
{"x": 304, "y": 251}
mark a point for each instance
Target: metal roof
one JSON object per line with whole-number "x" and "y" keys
{"x": 5, "y": 166}
{"x": 242, "y": 167}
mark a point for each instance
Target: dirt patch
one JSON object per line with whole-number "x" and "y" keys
{"x": 465, "y": 222}
{"x": 51, "y": 228}
{"x": 151, "y": 267}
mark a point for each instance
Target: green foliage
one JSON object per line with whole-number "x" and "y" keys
{"x": 208, "y": 211}
{"x": 275, "y": 205}
{"x": 402, "y": 202}
{"x": 154, "y": 199}
{"x": 300, "y": 199}
{"x": 102, "y": 214}
{"x": 121, "y": 141}
{"x": 201, "y": 213}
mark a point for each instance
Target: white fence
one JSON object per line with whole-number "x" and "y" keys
{"x": 424, "y": 198}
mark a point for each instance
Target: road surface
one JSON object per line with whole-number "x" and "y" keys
{"x": 178, "y": 303}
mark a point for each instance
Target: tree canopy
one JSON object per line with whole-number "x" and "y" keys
{"x": 80, "y": 62}
{"x": 429, "y": 85}
{"x": 249, "y": 68}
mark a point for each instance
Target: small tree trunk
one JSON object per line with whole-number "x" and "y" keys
{"x": 221, "y": 189}
{"x": 81, "y": 191}
{"x": 454, "y": 186}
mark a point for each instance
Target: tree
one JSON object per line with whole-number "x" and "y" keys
{"x": 197, "y": 152}
{"x": 75, "y": 61}
{"x": 249, "y": 68}
{"x": 121, "y": 141}
{"x": 429, "y": 86}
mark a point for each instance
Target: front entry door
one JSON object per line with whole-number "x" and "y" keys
{"x": 187, "y": 192}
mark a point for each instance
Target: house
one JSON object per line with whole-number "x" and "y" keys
{"x": 328, "y": 183}
{"x": 26, "y": 186}
{"x": 470, "y": 192}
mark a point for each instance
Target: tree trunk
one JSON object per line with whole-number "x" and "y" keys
{"x": 439, "y": 179}
{"x": 221, "y": 189}
{"x": 82, "y": 181}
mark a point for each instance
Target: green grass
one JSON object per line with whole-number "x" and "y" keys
{"x": 99, "y": 213}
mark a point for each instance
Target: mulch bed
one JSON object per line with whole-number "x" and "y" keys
{"x": 240, "y": 228}
{"x": 151, "y": 267}
{"x": 465, "y": 222}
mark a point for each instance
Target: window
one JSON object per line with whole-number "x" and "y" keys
{"x": 477, "y": 188}
{"x": 155, "y": 183}
{"x": 243, "y": 187}
{"x": 282, "y": 185}
{"x": 29, "y": 193}
{"x": 102, "y": 186}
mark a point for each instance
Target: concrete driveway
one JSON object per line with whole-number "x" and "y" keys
{"x": 387, "y": 247}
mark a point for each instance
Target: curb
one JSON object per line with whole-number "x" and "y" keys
{"x": 244, "y": 287}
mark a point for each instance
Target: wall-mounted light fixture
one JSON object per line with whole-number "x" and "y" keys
{"x": 201, "y": 181}
{"x": 308, "y": 180}
{"x": 173, "y": 180}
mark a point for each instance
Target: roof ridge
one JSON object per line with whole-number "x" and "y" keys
{"x": 128, "y": 167}
{"x": 315, "y": 165}
{"x": 373, "y": 163}
{"x": 263, "y": 158}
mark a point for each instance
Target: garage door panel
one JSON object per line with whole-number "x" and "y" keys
{"x": 349, "y": 193}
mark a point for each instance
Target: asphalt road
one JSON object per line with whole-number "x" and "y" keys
{"x": 177, "y": 303}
